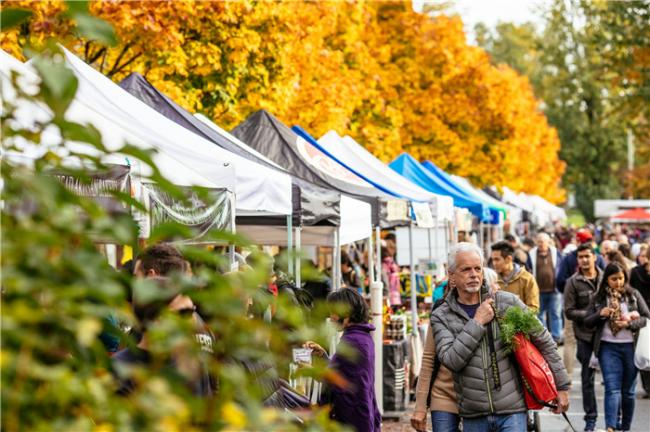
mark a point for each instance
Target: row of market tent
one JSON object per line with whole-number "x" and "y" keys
{"x": 273, "y": 183}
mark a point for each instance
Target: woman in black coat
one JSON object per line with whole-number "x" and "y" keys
{"x": 617, "y": 313}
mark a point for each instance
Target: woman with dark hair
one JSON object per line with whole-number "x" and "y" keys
{"x": 617, "y": 312}
{"x": 353, "y": 400}
{"x": 351, "y": 279}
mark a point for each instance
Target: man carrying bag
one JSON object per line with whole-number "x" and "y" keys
{"x": 468, "y": 343}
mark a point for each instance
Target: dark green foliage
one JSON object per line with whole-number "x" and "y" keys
{"x": 517, "y": 320}
{"x": 10, "y": 17}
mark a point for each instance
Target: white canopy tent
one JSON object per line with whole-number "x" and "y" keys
{"x": 360, "y": 161}
{"x": 209, "y": 123}
{"x": 554, "y": 212}
{"x": 257, "y": 188}
{"x": 543, "y": 212}
{"x": 28, "y": 112}
{"x": 514, "y": 213}
{"x": 355, "y": 224}
{"x": 113, "y": 136}
{"x": 518, "y": 200}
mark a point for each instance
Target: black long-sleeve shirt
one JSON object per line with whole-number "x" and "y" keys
{"x": 640, "y": 280}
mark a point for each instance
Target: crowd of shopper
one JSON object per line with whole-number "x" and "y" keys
{"x": 590, "y": 297}
{"x": 590, "y": 288}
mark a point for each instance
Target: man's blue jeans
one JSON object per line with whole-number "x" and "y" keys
{"x": 442, "y": 421}
{"x": 619, "y": 374}
{"x": 517, "y": 422}
{"x": 551, "y": 303}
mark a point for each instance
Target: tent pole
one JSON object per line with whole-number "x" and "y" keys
{"x": 376, "y": 308}
{"x": 378, "y": 255}
{"x": 435, "y": 240}
{"x": 298, "y": 256}
{"x": 289, "y": 244}
{"x": 414, "y": 299}
{"x": 336, "y": 281}
{"x": 429, "y": 240}
{"x": 233, "y": 229}
{"x": 377, "y": 313}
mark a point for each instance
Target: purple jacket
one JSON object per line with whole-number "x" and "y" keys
{"x": 356, "y": 406}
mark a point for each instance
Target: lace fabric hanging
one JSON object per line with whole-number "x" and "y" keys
{"x": 101, "y": 187}
{"x": 195, "y": 213}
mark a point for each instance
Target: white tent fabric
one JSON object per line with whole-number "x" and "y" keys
{"x": 257, "y": 188}
{"x": 543, "y": 212}
{"x": 514, "y": 213}
{"x": 554, "y": 212}
{"x": 113, "y": 136}
{"x": 235, "y": 140}
{"x": 518, "y": 200}
{"x": 356, "y": 222}
{"x": 355, "y": 214}
{"x": 356, "y": 158}
{"x": 479, "y": 192}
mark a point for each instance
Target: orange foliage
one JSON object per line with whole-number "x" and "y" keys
{"x": 393, "y": 79}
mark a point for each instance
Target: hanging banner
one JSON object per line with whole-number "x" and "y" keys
{"x": 319, "y": 160}
{"x": 423, "y": 216}
{"x": 101, "y": 186}
{"x": 194, "y": 212}
{"x": 396, "y": 210}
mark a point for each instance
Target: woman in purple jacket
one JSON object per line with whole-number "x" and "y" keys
{"x": 354, "y": 403}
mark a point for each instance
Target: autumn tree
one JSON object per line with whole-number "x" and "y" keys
{"x": 394, "y": 79}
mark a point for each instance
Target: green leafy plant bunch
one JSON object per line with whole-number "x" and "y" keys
{"x": 515, "y": 321}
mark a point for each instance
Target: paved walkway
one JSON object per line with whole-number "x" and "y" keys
{"x": 554, "y": 423}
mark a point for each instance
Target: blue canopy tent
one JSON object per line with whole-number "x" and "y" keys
{"x": 409, "y": 167}
{"x": 497, "y": 214}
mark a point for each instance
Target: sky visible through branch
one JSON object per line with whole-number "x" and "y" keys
{"x": 490, "y": 12}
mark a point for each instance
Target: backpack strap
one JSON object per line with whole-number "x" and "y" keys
{"x": 491, "y": 332}
{"x": 494, "y": 363}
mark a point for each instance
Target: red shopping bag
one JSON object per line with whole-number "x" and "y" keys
{"x": 538, "y": 381}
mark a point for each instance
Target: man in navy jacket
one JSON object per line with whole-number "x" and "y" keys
{"x": 569, "y": 264}
{"x": 567, "y": 268}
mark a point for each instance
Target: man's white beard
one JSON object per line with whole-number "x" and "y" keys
{"x": 473, "y": 289}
